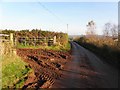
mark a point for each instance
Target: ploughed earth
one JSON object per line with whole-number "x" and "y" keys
{"x": 47, "y": 66}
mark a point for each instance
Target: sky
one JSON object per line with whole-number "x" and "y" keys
{"x": 54, "y": 16}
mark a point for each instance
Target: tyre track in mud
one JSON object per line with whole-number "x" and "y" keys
{"x": 46, "y": 65}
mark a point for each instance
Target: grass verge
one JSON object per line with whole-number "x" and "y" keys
{"x": 14, "y": 71}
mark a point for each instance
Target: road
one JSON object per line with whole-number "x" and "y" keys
{"x": 86, "y": 70}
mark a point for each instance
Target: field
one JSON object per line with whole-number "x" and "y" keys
{"x": 33, "y": 67}
{"x": 30, "y": 63}
{"x": 47, "y": 65}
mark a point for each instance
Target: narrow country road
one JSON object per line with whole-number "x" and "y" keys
{"x": 85, "y": 70}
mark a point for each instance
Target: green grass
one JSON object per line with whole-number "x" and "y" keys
{"x": 13, "y": 71}
{"x": 67, "y": 47}
{"x": 54, "y": 47}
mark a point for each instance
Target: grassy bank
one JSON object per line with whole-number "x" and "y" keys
{"x": 14, "y": 71}
{"x": 110, "y": 54}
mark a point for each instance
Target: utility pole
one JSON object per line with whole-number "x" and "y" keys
{"x": 67, "y": 28}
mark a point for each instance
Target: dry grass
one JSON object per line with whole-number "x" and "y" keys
{"x": 105, "y": 48}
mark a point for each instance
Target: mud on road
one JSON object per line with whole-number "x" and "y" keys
{"x": 86, "y": 70}
{"x": 46, "y": 64}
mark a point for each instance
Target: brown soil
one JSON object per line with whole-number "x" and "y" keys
{"x": 46, "y": 64}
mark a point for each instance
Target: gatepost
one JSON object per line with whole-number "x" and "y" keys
{"x": 11, "y": 39}
{"x": 54, "y": 40}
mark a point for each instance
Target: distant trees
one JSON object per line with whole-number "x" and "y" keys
{"x": 110, "y": 30}
{"x": 91, "y": 26}
{"x": 7, "y": 31}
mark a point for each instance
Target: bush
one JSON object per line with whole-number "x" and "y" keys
{"x": 110, "y": 54}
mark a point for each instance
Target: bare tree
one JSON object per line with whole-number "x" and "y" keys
{"x": 107, "y": 28}
{"x": 114, "y": 30}
{"x": 91, "y": 28}
{"x": 110, "y": 30}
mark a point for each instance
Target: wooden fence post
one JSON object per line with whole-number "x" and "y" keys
{"x": 54, "y": 40}
{"x": 12, "y": 39}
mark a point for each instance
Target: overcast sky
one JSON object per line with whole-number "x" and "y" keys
{"x": 55, "y": 16}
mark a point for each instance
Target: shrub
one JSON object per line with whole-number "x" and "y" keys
{"x": 109, "y": 52}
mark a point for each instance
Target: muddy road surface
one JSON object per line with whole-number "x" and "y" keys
{"x": 86, "y": 70}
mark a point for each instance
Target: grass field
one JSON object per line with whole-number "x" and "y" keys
{"x": 54, "y": 47}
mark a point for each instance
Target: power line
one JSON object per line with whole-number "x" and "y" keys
{"x": 53, "y": 14}
{"x": 50, "y": 11}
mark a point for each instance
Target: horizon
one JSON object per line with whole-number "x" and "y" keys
{"x": 55, "y": 32}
